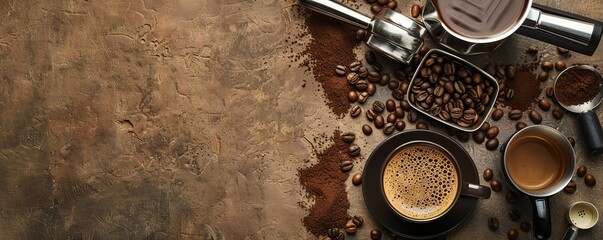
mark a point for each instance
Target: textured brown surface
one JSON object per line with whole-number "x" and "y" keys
{"x": 157, "y": 119}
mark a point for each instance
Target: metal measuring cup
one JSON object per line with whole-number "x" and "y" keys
{"x": 390, "y": 33}
{"x": 581, "y": 215}
{"x": 587, "y": 119}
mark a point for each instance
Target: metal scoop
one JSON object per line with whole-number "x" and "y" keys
{"x": 390, "y": 33}
{"x": 581, "y": 215}
{"x": 587, "y": 119}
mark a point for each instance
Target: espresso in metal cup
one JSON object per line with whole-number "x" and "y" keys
{"x": 422, "y": 181}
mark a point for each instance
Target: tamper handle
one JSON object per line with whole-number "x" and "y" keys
{"x": 571, "y": 233}
{"x": 338, "y": 11}
{"x": 591, "y": 131}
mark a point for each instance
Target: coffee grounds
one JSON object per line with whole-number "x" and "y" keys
{"x": 332, "y": 44}
{"x": 324, "y": 183}
{"x": 527, "y": 89}
{"x": 576, "y": 86}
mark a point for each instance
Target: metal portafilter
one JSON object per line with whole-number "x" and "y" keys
{"x": 391, "y": 34}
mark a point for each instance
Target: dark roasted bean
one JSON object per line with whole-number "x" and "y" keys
{"x": 492, "y": 144}
{"x": 413, "y": 115}
{"x": 371, "y": 89}
{"x": 546, "y": 66}
{"x": 353, "y": 78}
{"x": 570, "y": 187}
{"x": 560, "y": 66}
{"x": 581, "y": 171}
{"x": 493, "y": 223}
{"x": 333, "y": 232}
{"x": 379, "y": 122}
{"x": 340, "y": 70}
{"x": 346, "y": 166}
{"x": 389, "y": 128}
{"x": 355, "y": 66}
{"x": 532, "y": 50}
{"x": 496, "y": 185}
{"x": 497, "y": 114}
{"x": 400, "y": 125}
{"x": 405, "y": 105}
{"x": 374, "y": 77}
{"x": 512, "y": 234}
{"x": 367, "y": 130}
{"x": 354, "y": 150}
{"x": 362, "y": 97}
{"x": 352, "y": 96}
{"x": 348, "y": 137}
{"x": 488, "y": 174}
{"x": 355, "y": 111}
{"x": 422, "y": 125}
{"x": 515, "y": 114}
{"x": 370, "y": 114}
{"x": 375, "y": 234}
{"x": 558, "y": 113}
{"x": 370, "y": 57}
{"x": 520, "y": 125}
{"x": 544, "y": 104}
{"x": 543, "y": 76}
{"x": 510, "y": 71}
{"x": 415, "y": 11}
{"x": 350, "y": 227}
{"x": 375, "y": 9}
{"x": 478, "y": 137}
{"x": 492, "y": 132}
{"x": 398, "y": 94}
{"x": 360, "y": 34}
{"x": 378, "y": 106}
{"x": 590, "y": 180}
{"x": 391, "y": 118}
{"x": 357, "y": 179}
{"x": 535, "y": 117}
{"x": 358, "y": 220}
{"x": 550, "y": 92}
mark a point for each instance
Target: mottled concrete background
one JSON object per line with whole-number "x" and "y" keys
{"x": 157, "y": 119}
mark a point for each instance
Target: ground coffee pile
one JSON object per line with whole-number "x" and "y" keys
{"x": 527, "y": 89}
{"x": 332, "y": 44}
{"x": 576, "y": 86}
{"x": 325, "y": 183}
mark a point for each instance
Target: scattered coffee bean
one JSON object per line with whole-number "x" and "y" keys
{"x": 370, "y": 57}
{"x": 384, "y": 80}
{"x": 497, "y": 114}
{"x": 492, "y": 132}
{"x": 571, "y": 187}
{"x": 561, "y": 50}
{"x": 378, "y": 106}
{"x": 367, "y": 130}
{"x": 525, "y": 227}
{"x": 382, "y": 2}
{"x": 371, "y": 89}
{"x": 393, "y": 84}
{"x": 400, "y": 125}
{"x": 371, "y": 115}
{"x": 357, "y": 179}
{"x": 374, "y": 77}
{"x": 422, "y": 125}
{"x": 546, "y": 66}
{"x": 495, "y": 185}
{"x": 354, "y": 150}
{"x": 355, "y": 66}
{"x": 590, "y": 180}
{"x": 514, "y": 214}
{"x": 520, "y": 125}
{"x": 352, "y": 96}
{"x": 375, "y": 234}
{"x": 415, "y": 10}
{"x": 340, "y": 70}
{"x": 543, "y": 76}
{"x": 485, "y": 127}
{"x": 405, "y": 105}
{"x": 510, "y": 71}
{"x": 413, "y": 115}
{"x": 488, "y": 173}
{"x": 348, "y": 137}
{"x": 355, "y": 111}
{"x": 389, "y": 128}
{"x": 353, "y": 78}
{"x": 535, "y": 117}
{"x": 515, "y": 114}
{"x": 360, "y": 35}
{"x": 347, "y": 165}
{"x": 379, "y": 122}
{"x": 377, "y": 67}
{"x": 479, "y": 137}
{"x": 358, "y": 220}
{"x": 512, "y": 234}
{"x": 398, "y": 94}
{"x": 492, "y": 144}
{"x": 550, "y": 92}
{"x": 403, "y": 87}
{"x": 558, "y": 113}
{"x": 560, "y": 66}
{"x": 363, "y": 72}
{"x": 462, "y": 136}
{"x": 391, "y": 118}
{"x": 362, "y": 97}
{"x": 544, "y": 104}
{"x": 390, "y": 105}
{"x": 581, "y": 171}
{"x": 350, "y": 227}
{"x": 361, "y": 85}
{"x": 392, "y": 4}
{"x": 493, "y": 223}
{"x": 333, "y": 232}
{"x": 375, "y": 9}
{"x": 510, "y": 93}
{"x": 532, "y": 50}
{"x": 572, "y": 141}
{"x": 399, "y": 112}
{"x": 511, "y": 197}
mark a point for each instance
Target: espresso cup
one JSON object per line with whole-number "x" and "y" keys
{"x": 539, "y": 161}
{"x": 422, "y": 182}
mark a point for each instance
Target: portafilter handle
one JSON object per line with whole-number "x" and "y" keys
{"x": 391, "y": 34}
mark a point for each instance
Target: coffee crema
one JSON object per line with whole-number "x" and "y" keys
{"x": 534, "y": 162}
{"x": 480, "y": 18}
{"x": 420, "y": 181}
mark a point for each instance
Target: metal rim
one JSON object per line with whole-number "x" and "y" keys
{"x": 584, "y": 106}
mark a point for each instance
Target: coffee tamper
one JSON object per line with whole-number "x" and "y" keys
{"x": 581, "y": 215}
{"x": 390, "y": 33}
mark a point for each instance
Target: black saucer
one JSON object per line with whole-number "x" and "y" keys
{"x": 378, "y": 206}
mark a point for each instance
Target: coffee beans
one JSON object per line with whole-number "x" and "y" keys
{"x": 391, "y": 118}
{"x": 371, "y": 115}
{"x": 488, "y": 173}
{"x": 413, "y": 116}
{"x": 520, "y": 125}
{"x": 353, "y": 78}
{"x": 375, "y": 9}
{"x": 493, "y": 223}
{"x": 333, "y": 233}
{"x": 389, "y": 128}
{"x": 543, "y": 76}
{"x": 479, "y": 137}
{"x": 350, "y": 227}
{"x": 510, "y": 71}
{"x": 581, "y": 171}
{"x": 362, "y": 97}
{"x": 497, "y": 114}
{"x": 354, "y": 150}
{"x": 546, "y": 65}
{"x": 340, "y": 70}
{"x": 348, "y": 137}
{"x": 525, "y": 227}
{"x": 422, "y": 125}
{"x": 390, "y": 105}
{"x": 492, "y": 144}
{"x": 511, "y": 197}
{"x": 379, "y": 122}
{"x": 492, "y": 132}
{"x": 405, "y": 105}
{"x": 510, "y": 94}
{"x": 361, "y": 85}
{"x": 375, "y": 234}
{"x": 415, "y": 10}
{"x": 544, "y": 104}
{"x": 370, "y": 57}
{"x": 357, "y": 179}
{"x": 399, "y": 112}
{"x": 450, "y": 91}
{"x": 570, "y": 188}
{"x": 371, "y": 89}
{"x": 558, "y": 113}
{"x": 382, "y": 2}
{"x": 400, "y": 125}
{"x": 393, "y": 84}
{"x": 515, "y": 114}
{"x": 355, "y": 111}
{"x": 496, "y": 185}
{"x": 535, "y": 117}
{"x": 374, "y": 77}
{"x": 392, "y": 4}
{"x": 514, "y": 215}
{"x": 398, "y": 94}
{"x": 561, "y": 50}
{"x": 590, "y": 180}
{"x": 360, "y": 34}
{"x": 532, "y": 50}
{"x": 358, "y": 220}
{"x": 352, "y": 96}
{"x": 550, "y": 92}
{"x": 367, "y": 130}
{"x": 346, "y": 166}
{"x": 560, "y": 66}
{"x": 378, "y": 106}
{"x": 512, "y": 234}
